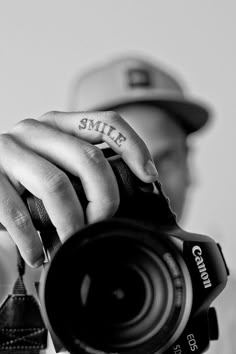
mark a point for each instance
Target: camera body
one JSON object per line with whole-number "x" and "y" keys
{"x": 136, "y": 283}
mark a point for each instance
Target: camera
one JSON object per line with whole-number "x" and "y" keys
{"x": 136, "y": 283}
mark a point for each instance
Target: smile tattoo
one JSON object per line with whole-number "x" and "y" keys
{"x": 104, "y": 128}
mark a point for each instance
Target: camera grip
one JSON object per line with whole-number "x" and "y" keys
{"x": 128, "y": 183}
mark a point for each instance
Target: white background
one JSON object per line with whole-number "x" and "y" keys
{"x": 44, "y": 44}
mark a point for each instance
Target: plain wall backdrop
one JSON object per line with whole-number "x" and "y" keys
{"x": 44, "y": 44}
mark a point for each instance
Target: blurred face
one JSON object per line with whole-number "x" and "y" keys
{"x": 166, "y": 141}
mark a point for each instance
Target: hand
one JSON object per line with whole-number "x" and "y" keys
{"x": 31, "y": 155}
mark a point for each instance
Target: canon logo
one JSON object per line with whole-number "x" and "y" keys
{"x": 197, "y": 252}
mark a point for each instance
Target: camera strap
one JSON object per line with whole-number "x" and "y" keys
{"x": 22, "y": 330}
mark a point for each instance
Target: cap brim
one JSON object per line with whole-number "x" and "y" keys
{"x": 191, "y": 114}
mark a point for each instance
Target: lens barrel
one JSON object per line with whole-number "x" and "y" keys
{"x": 117, "y": 286}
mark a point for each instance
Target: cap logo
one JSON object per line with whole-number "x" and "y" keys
{"x": 138, "y": 78}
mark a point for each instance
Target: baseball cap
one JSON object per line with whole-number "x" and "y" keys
{"x": 135, "y": 79}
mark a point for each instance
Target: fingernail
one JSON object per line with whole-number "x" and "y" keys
{"x": 151, "y": 169}
{"x": 38, "y": 262}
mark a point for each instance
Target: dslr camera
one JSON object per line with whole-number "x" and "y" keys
{"x": 136, "y": 283}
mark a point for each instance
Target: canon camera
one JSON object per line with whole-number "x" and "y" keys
{"x": 135, "y": 283}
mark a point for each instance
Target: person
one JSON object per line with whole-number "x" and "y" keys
{"x": 154, "y": 103}
{"x": 129, "y": 104}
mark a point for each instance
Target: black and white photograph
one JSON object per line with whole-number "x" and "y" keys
{"x": 117, "y": 177}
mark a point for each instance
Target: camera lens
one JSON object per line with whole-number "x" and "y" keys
{"x": 116, "y": 287}
{"x": 122, "y": 293}
{"x": 116, "y": 298}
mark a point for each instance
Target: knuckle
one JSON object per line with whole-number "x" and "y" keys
{"x": 49, "y": 116}
{"x": 6, "y": 141}
{"x": 24, "y": 125}
{"x": 56, "y": 182}
{"x": 113, "y": 117}
{"x": 21, "y": 220}
{"x": 139, "y": 144}
{"x": 95, "y": 155}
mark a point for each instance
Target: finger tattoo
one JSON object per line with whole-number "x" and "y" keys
{"x": 103, "y": 128}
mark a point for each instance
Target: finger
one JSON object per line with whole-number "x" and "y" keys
{"x": 111, "y": 128}
{"x": 45, "y": 181}
{"x": 79, "y": 158}
{"x": 15, "y": 217}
